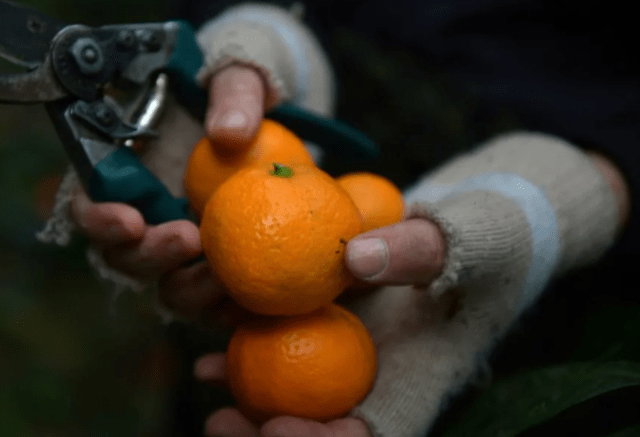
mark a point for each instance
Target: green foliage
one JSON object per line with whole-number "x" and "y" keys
{"x": 632, "y": 431}
{"x": 521, "y": 402}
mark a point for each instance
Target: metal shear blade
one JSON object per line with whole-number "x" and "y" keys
{"x": 25, "y": 40}
{"x": 35, "y": 86}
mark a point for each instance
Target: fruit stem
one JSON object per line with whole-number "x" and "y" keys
{"x": 281, "y": 171}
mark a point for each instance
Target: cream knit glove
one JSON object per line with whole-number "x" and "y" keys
{"x": 279, "y": 46}
{"x": 520, "y": 209}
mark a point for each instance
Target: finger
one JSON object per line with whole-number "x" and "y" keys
{"x": 163, "y": 248}
{"x": 409, "y": 252}
{"x": 108, "y": 222}
{"x": 211, "y": 368}
{"x": 189, "y": 290}
{"x": 295, "y": 427}
{"x": 236, "y": 106}
{"x": 229, "y": 422}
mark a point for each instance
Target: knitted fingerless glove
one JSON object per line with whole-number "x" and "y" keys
{"x": 279, "y": 46}
{"x": 520, "y": 209}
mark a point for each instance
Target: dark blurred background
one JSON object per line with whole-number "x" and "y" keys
{"x": 69, "y": 367}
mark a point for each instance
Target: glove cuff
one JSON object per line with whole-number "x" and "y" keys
{"x": 59, "y": 227}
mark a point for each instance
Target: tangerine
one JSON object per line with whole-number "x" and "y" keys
{"x": 379, "y": 201}
{"x": 276, "y": 237}
{"x": 316, "y": 366}
{"x": 209, "y": 165}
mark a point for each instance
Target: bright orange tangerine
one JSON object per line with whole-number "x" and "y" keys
{"x": 379, "y": 201}
{"x": 276, "y": 237}
{"x": 209, "y": 165}
{"x": 316, "y": 366}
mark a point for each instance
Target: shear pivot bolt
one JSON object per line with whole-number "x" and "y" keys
{"x": 104, "y": 116}
{"x": 87, "y": 55}
{"x": 151, "y": 40}
{"x": 126, "y": 39}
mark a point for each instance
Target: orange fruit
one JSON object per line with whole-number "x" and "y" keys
{"x": 379, "y": 201}
{"x": 316, "y": 366}
{"x": 209, "y": 165}
{"x": 276, "y": 237}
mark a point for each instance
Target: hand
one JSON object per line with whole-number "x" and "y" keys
{"x": 236, "y": 108}
{"x": 413, "y": 251}
{"x": 128, "y": 244}
{"x": 229, "y": 422}
{"x": 152, "y": 252}
{"x": 407, "y": 253}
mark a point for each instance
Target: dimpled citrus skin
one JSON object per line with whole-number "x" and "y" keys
{"x": 379, "y": 201}
{"x": 277, "y": 243}
{"x": 210, "y": 165}
{"x": 316, "y": 366}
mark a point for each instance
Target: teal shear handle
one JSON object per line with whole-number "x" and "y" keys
{"x": 112, "y": 173}
{"x": 120, "y": 177}
{"x": 332, "y": 135}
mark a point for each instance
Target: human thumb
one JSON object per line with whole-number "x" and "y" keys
{"x": 236, "y": 106}
{"x": 409, "y": 252}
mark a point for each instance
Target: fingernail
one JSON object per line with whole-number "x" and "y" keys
{"x": 368, "y": 257}
{"x": 234, "y": 119}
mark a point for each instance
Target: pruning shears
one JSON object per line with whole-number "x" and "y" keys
{"x": 75, "y": 69}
